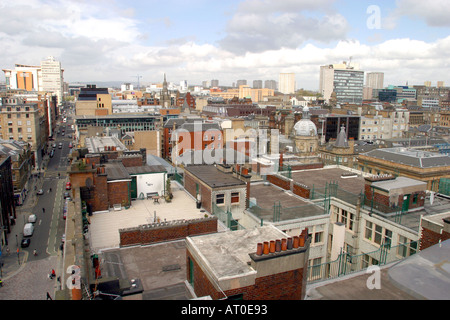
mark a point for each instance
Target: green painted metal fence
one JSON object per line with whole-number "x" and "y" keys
{"x": 346, "y": 263}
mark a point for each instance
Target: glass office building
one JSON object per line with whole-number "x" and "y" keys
{"x": 348, "y": 86}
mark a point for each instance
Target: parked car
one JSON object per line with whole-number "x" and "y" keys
{"x": 32, "y": 218}
{"x": 68, "y": 186}
{"x": 25, "y": 242}
{"x": 40, "y": 192}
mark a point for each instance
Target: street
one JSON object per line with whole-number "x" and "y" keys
{"x": 24, "y": 275}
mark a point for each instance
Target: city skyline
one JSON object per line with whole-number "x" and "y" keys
{"x": 202, "y": 40}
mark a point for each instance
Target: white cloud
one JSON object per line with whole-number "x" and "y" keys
{"x": 435, "y": 13}
{"x": 260, "y": 25}
{"x": 264, "y": 38}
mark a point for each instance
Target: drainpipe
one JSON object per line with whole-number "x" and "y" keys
{"x": 357, "y": 231}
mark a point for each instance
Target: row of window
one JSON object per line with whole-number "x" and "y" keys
{"x": 220, "y": 198}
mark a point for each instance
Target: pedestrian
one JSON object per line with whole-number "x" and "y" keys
{"x": 48, "y": 296}
{"x": 1, "y": 283}
{"x": 43, "y": 210}
{"x": 53, "y": 273}
{"x": 7, "y": 250}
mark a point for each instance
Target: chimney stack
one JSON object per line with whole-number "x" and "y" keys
{"x": 281, "y": 245}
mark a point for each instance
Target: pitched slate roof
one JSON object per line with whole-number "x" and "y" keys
{"x": 411, "y": 157}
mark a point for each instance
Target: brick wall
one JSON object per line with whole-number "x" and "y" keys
{"x": 190, "y": 186}
{"x": 430, "y": 238}
{"x": 132, "y": 161}
{"x": 384, "y": 199}
{"x": 160, "y": 232}
{"x": 307, "y": 166}
{"x": 100, "y": 201}
{"x": 301, "y": 190}
{"x": 279, "y": 181}
{"x": 119, "y": 193}
{"x": 288, "y": 285}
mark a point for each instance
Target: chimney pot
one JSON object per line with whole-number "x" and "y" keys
{"x": 295, "y": 244}
{"x": 283, "y": 244}
{"x": 266, "y": 247}
{"x": 278, "y": 246}
{"x": 272, "y": 246}
{"x": 289, "y": 243}
{"x": 301, "y": 240}
{"x": 259, "y": 249}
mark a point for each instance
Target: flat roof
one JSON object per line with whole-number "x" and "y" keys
{"x": 291, "y": 206}
{"x": 227, "y": 253}
{"x": 424, "y": 275}
{"x": 104, "y": 226}
{"x": 213, "y": 177}
{"x": 116, "y": 171}
{"x": 399, "y": 182}
{"x": 317, "y": 179}
{"x": 146, "y": 169}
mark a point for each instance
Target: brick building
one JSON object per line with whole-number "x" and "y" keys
{"x": 390, "y": 194}
{"x": 425, "y": 166}
{"x": 7, "y": 208}
{"x": 216, "y": 187}
{"x": 434, "y": 229}
{"x": 255, "y": 264}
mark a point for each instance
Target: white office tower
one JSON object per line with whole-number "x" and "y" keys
{"x": 51, "y": 79}
{"x": 375, "y": 80}
{"x": 183, "y": 85}
{"x": 286, "y": 83}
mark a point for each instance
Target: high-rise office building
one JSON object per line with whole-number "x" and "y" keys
{"x": 257, "y": 84}
{"x": 287, "y": 83}
{"x": 375, "y": 80}
{"x": 46, "y": 77}
{"x": 270, "y": 84}
{"x": 52, "y": 77}
{"x": 345, "y": 80}
{"x": 214, "y": 83}
{"x": 241, "y": 83}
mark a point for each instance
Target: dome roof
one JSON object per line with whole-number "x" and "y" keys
{"x": 305, "y": 127}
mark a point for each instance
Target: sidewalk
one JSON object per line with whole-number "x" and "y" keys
{"x": 13, "y": 262}
{"x": 25, "y": 279}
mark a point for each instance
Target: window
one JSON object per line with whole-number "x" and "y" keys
{"x": 235, "y": 197}
{"x": 318, "y": 237}
{"x": 406, "y": 247}
{"x": 378, "y": 234}
{"x": 220, "y": 198}
{"x": 387, "y": 237}
{"x": 368, "y": 234}
{"x": 415, "y": 197}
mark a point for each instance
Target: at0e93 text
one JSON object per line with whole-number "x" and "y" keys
{"x": 246, "y": 309}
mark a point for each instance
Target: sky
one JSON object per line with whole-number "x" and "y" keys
{"x": 199, "y": 40}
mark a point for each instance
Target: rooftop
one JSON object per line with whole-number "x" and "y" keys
{"x": 399, "y": 182}
{"x": 411, "y": 157}
{"x": 318, "y": 178}
{"x": 213, "y": 177}
{"x": 424, "y": 275}
{"x": 104, "y": 227}
{"x": 265, "y": 196}
{"x": 227, "y": 253}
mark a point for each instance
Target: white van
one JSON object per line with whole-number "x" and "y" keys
{"x": 28, "y": 230}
